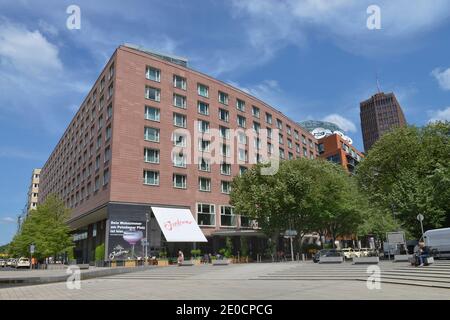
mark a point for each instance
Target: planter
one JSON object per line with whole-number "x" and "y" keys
{"x": 366, "y": 260}
{"x": 223, "y": 262}
{"x": 402, "y": 257}
{"x": 163, "y": 263}
{"x": 130, "y": 263}
{"x": 196, "y": 262}
{"x": 331, "y": 259}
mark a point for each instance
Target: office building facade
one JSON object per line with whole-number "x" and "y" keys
{"x": 33, "y": 190}
{"x": 379, "y": 114}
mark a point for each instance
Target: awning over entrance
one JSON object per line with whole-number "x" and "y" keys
{"x": 178, "y": 225}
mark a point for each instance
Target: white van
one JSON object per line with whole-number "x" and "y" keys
{"x": 438, "y": 240}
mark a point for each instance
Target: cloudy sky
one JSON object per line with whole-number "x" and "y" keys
{"x": 310, "y": 59}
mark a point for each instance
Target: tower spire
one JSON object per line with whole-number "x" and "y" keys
{"x": 378, "y": 83}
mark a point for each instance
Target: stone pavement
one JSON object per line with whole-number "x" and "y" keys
{"x": 271, "y": 281}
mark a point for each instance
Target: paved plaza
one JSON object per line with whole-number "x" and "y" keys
{"x": 273, "y": 281}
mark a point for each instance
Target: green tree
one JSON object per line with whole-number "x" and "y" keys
{"x": 46, "y": 228}
{"x": 407, "y": 172}
{"x": 100, "y": 252}
{"x": 304, "y": 195}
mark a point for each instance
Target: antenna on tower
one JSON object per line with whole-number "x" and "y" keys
{"x": 378, "y": 83}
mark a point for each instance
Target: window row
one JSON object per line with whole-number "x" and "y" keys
{"x": 152, "y": 178}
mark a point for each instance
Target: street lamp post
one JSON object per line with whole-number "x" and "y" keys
{"x": 146, "y": 236}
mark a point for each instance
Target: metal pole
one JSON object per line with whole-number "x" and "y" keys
{"x": 421, "y": 226}
{"x": 292, "y": 249}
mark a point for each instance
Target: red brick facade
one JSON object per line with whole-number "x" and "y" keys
{"x": 67, "y": 173}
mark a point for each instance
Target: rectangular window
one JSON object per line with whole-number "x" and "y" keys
{"x": 290, "y": 156}
{"x": 289, "y": 141}
{"x": 240, "y": 105}
{"x": 268, "y": 118}
{"x": 297, "y": 148}
{"x": 108, "y": 133}
{"x": 305, "y": 152}
{"x": 96, "y": 184}
{"x": 179, "y": 159}
{"x": 153, "y": 74}
{"x": 223, "y": 98}
{"x": 241, "y": 121}
{"x": 225, "y": 187}
{"x": 227, "y": 216}
{"x": 100, "y": 123}
{"x": 111, "y": 71}
{"x": 225, "y": 150}
{"x": 296, "y": 135}
{"x": 179, "y": 101}
{"x": 151, "y": 178}
{"x": 203, "y": 145}
{"x": 225, "y": 169}
{"x": 204, "y": 164}
{"x": 255, "y": 111}
{"x": 110, "y": 93}
{"x": 109, "y": 111}
{"x": 179, "y": 181}
{"x": 269, "y": 133}
{"x": 204, "y": 184}
{"x": 151, "y": 134}
{"x": 224, "y": 115}
{"x": 203, "y": 126}
{"x": 269, "y": 148}
{"x": 280, "y": 138}
{"x": 152, "y": 113}
{"x": 224, "y": 132}
{"x": 179, "y": 82}
{"x": 105, "y": 177}
{"x": 256, "y": 127}
{"x": 107, "y": 154}
{"x": 288, "y": 129}
{"x": 179, "y": 140}
{"x": 153, "y": 94}
{"x": 279, "y": 124}
{"x": 242, "y": 155}
{"x": 206, "y": 214}
{"x": 242, "y": 170}
{"x": 202, "y": 90}
{"x": 281, "y": 152}
{"x": 203, "y": 108}
{"x": 303, "y": 139}
{"x": 179, "y": 120}
{"x": 151, "y": 155}
{"x": 99, "y": 141}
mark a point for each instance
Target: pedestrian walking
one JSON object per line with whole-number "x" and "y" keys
{"x": 180, "y": 257}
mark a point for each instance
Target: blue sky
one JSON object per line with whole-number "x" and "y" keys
{"x": 310, "y": 59}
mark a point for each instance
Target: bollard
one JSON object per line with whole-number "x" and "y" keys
{"x": 303, "y": 257}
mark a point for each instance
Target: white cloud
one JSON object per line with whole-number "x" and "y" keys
{"x": 443, "y": 77}
{"x": 341, "y": 122}
{"x": 7, "y": 220}
{"x": 443, "y": 114}
{"x": 27, "y": 51}
{"x": 271, "y": 25}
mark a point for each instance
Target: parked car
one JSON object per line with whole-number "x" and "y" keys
{"x": 349, "y": 253}
{"x": 327, "y": 253}
{"x": 11, "y": 263}
{"x": 23, "y": 263}
{"x": 2, "y": 263}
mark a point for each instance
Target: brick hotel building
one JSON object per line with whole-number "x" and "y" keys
{"x": 115, "y": 160}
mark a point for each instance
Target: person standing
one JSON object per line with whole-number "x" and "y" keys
{"x": 180, "y": 257}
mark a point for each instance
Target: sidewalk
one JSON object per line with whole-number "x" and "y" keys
{"x": 30, "y": 277}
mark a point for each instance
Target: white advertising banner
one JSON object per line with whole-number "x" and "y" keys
{"x": 178, "y": 225}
